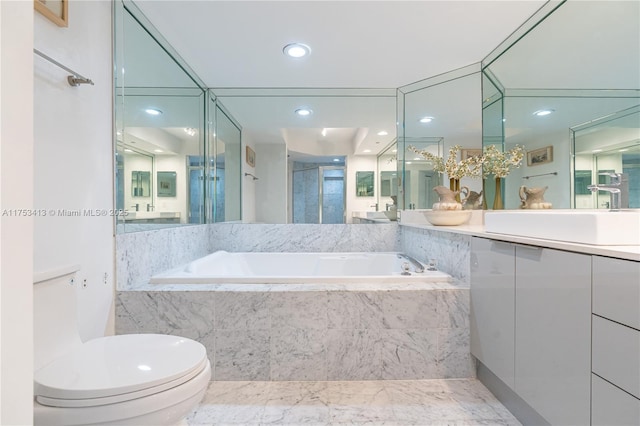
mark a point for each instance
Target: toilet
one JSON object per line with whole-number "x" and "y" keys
{"x": 131, "y": 379}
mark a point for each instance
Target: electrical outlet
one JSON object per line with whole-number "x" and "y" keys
{"x": 106, "y": 278}
{"x": 84, "y": 283}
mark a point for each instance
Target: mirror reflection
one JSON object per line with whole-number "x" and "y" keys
{"x": 364, "y": 184}
{"x": 572, "y": 89}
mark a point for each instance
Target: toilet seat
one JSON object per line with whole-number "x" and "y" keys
{"x": 119, "y": 368}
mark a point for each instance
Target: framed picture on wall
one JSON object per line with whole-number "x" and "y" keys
{"x": 539, "y": 156}
{"x": 250, "y": 157}
{"x": 54, "y": 10}
{"x": 470, "y": 152}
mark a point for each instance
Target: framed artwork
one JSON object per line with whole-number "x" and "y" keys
{"x": 54, "y": 10}
{"x": 250, "y": 157}
{"x": 470, "y": 152}
{"x": 540, "y": 156}
{"x": 166, "y": 184}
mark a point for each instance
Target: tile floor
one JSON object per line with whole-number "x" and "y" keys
{"x": 395, "y": 402}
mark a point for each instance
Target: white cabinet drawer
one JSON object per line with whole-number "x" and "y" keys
{"x": 616, "y": 290}
{"x": 616, "y": 354}
{"x": 612, "y": 407}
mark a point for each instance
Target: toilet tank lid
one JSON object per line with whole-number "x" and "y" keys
{"x": 115, "y": 365}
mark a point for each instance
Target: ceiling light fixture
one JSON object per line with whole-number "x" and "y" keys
{"x": 366, "y": 150}
{"x": 324, "y": 132}
{"x": 543, "y": 112}
{"x": 623, "y": 150}
{"x": 158, "y": 150}
{"x": 153, "y": 111}
{"x": 304, "y": 111}
{"x": 426, "y": 119}
{"x": 296, "y": 50}
{"x": 336, "y": 160}
{"x": 597, "y": 150}
{"x": 382, "y": 133}
{"x": 190, "y": 131}
{"x": 417, "y": 158}
{"x": 408, "y": 162}
{"x": 128, "y": 150}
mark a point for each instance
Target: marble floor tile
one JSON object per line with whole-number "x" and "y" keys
{"x": 457, "y": 402}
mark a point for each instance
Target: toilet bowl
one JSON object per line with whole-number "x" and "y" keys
{"x": 132, "y": 379}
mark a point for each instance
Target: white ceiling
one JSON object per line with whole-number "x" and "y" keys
{"x": 355, "y": 44}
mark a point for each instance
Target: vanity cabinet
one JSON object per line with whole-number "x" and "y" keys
{"x": 493, "y": 306}
{"x": 531, "y": 325}
{"x": 616, "y": 342}
{"x": 553, "y": 333}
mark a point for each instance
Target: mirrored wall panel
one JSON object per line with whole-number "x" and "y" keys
{"x": 567, "y": 92}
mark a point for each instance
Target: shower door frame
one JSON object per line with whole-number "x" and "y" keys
{"x": 321, "y": 170}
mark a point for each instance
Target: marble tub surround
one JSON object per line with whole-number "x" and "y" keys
{"x": 450, "y": 250}
{"x": 314, "y": 334}
{"x": 242, "y": 237}
{"x": 139, "y": 255}
{"x": 406, "y": 402}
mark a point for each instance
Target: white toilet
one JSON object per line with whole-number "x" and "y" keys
{"x": 133, "y": 379}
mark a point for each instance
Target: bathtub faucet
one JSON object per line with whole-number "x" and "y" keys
{"x": 417, "y": 266}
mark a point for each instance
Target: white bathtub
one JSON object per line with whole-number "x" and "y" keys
{"x": 298, "y": 268}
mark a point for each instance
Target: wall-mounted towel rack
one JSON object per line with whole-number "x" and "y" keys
{"x": 75, "y": 79}
{"x": 543, "y": 174}
{"x": 249, "y": 174}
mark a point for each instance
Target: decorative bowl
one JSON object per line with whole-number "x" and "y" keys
{"x": 447, "y": 217}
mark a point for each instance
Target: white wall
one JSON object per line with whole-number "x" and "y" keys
{"x": 271, "y": 170}
{"x": 360, "y": 163}
{"x": 74, "y": 157}
{"x": 16, "y": 232}
{"x": 247, "y": 184}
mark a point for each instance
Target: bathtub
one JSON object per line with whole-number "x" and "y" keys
{"x": 299, "y": 268}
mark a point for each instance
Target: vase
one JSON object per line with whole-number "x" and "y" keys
{"x": 454, "y": 185}
{"x": 484, "y": 195}
{"x": 497, "y": 200}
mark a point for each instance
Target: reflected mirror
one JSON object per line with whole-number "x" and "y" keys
{"x": 364, "y": 184}
{"x": 140, "y": 184}
{"x": 571, "y": 83}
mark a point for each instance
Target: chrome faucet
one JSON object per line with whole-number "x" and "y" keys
{"x": 618, "y": 190}
{"x": 417, "y": 266}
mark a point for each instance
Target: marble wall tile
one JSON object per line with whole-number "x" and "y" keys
{"x": 409, "y": 354}
{"x": 298, "y": 354}
{"x": 454, "y": 308}
{"x": 242, "y": 355}
{"x": 451, "y": 251}
{"x": 354, "y": 310}
{"x": 299, "y": 310}
{"x": 241, "y": 237}
{"x": 410, "y": 309}
{"x": 454, "y": 354}
{"x": 140, "y": 255}
{"x": 354, "y": 355}
{"x": 241, "y": 311}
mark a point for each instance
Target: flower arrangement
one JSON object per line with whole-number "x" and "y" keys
{"x": 498, "y": 163}
{"x": 469, "y": 167}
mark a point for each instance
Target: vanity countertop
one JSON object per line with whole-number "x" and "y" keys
{"x": 620, "y": 252}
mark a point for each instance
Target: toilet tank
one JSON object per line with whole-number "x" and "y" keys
{"x": 55, "y": 323}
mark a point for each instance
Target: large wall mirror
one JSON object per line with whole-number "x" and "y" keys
{"x": 168, "y": 125}
{"x": 570, "y": 86}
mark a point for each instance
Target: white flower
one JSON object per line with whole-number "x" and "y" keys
{"x": 498, "y": 163}
{"x": 469, "y": 167}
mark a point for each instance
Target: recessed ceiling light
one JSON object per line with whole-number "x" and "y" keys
{"x": 296, "y": 50}
{"x": 417, "y": 158}
{"x": 153, "y": 111}
{"x": 158, "y": 150}
{"x": 426, "y": 119}
{"x": 119, "y": 133}
{"x": 324, "y": 132}
{"x": 408, "y": 162}
{"x": 394, "y": 150}
{"x": 304, "y": 111}
{"x": 128, "y": 150}
{"x": 190, "y": 131}
{"x": 366, "y": 150}
{"x": 336, "y": 159}
{"x": 623, "y": 150}
{"x": 597, "y": 150}
{"x": 382, "y": 133}
{"x": 543, "y": 112}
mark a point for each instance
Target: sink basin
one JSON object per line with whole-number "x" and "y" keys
{"x": 597, "y": 227}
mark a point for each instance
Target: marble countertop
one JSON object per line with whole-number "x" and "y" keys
{"x": 620, "y": 252}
